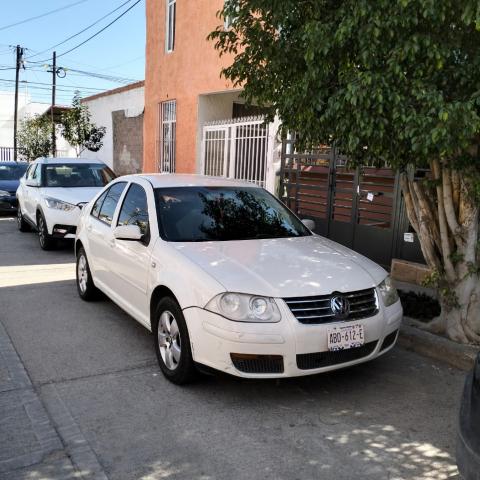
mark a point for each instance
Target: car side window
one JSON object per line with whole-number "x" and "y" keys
{"x": 134, "y": 210}
{"x": 31, "y": 171}
{"x": 98, "y": 204}
{"x": 37, "y": 173}
{"x": 107, "y": 210}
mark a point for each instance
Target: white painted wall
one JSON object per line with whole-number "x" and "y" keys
{"x": 132, "y": 101}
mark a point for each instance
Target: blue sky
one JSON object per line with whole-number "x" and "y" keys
{"x": 118, "y": 51}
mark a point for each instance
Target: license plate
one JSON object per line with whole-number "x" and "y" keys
{"x": 344, "y": 337}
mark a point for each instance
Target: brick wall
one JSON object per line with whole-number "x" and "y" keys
{"x": 127, "y": 143}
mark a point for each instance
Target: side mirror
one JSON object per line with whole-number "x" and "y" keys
{"x": 31, "y": 182}
{"x": 310, "y": 224}
{"x": 128, "y": 232}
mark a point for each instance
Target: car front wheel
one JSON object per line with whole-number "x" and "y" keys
{"x": 21, "y": 223}
{"x": 172, "y": 342}
{"x": 85, "y": 286}
{"x": 46, "y": 241}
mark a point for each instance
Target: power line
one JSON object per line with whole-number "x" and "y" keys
{"x": 101, "y": 30}
{"x": 81, "y": 31}
{"x": 73, "y": 87}
{"x": 42, "y": 15}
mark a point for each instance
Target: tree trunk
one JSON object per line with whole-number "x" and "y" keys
{"x": 448, "y": 231}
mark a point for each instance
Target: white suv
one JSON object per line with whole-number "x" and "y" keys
{"x": 52, "y": 193}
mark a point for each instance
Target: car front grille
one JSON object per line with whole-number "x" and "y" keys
{"x": 309, "y": 361}
{"x": 317, "y": 310}
{"x": 257, "y": 363}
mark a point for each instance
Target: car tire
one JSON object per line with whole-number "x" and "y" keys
{"x": 85, "y": 286}
{"x": 22, "y": 225}
{"x": 46, "y": 241}
{"x": 172, "y": 342}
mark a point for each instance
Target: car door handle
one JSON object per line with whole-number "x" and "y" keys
{"x": 111, "y": 243}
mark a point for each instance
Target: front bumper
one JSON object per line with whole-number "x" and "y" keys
{"x": 8, "y": 204}
{"x": 61, "y": 224}
{"x": 257, "y": 347}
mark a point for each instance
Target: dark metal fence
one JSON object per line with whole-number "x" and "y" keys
{"x": 361, "y": 208}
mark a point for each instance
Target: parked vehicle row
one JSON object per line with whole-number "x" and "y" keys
{"x": 222, "y": 273}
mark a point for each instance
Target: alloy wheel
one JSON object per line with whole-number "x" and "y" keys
{"x": 19, "y": 217}
{"x": 41, "y": 231}
{"x": 82, "y": 273}
{"x": 169, "y": 340}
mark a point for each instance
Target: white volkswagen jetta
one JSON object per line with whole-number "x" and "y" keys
{"x": 225, "y": 276}
{"x": 53, "y": 191}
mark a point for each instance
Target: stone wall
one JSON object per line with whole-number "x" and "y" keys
{"x": 127, "y": 143}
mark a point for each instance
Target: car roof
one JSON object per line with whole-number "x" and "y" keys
{"x": 66, "y": 160}
{"x": 11, "y": 162}
{"x": 163, "y": 180}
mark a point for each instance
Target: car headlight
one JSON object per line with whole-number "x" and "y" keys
{"x": 4, "y": 193}
{"x": 240, "y": 307}
{"x": 388, "y": 291}
{"x": 58, "y": 204}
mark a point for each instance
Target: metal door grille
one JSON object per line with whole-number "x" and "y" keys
{"x": 240, "y": 149}
{"x": 167, "y": 137}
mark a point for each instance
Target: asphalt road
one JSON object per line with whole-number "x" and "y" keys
{"x": 95, "y": 404}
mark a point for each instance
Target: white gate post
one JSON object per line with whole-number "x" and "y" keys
{"x": 272, "y": 163}
{"x": 233, "y": 145}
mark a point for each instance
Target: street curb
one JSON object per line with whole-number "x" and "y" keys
{"x": 436, "y": 347}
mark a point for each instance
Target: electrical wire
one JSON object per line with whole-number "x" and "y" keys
{"x": 72, "y": 87}
{"x": 96, "y": 33}
{"x": 101, "y": 30}
{"x": 43, "y": 15}
{"x": 80, "y": 32}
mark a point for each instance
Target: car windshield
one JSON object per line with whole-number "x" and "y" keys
{"x": 196, "y": 214}
{"x": 77, "y": 175}
{"x": 12, "y": 172}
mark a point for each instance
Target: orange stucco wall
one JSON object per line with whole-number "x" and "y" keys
{"x": 193, "y": 68}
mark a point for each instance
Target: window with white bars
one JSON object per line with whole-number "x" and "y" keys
{"x": 168, "y": 127}
{"x": 170, "y": 25}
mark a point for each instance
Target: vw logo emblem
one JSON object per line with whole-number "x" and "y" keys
{"x": 340, "y": 306}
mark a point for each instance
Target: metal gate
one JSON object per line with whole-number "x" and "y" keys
{"x": 240, "y": 149}
{"x": 357, "y": 207}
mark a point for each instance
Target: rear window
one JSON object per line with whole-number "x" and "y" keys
{"x": 77, "y": 175}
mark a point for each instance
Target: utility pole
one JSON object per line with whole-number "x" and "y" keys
{"x": 54, "y": 85}
{"x": 18, "y": 64}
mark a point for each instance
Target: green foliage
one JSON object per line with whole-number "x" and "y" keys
{"x": 78, "y": 130}
{"x": 395, "y": 82}
{"x": 34, "y": 138}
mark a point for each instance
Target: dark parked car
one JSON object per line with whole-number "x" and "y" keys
{"x": 468, "y": 445}
{"x": 10, "y": 174}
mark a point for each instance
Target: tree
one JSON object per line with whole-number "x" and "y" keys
{"x": 34, "y": 138}
{"x": 78, "y": 130}
{"x": 395, "y": 82}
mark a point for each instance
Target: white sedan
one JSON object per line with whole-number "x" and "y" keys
{"x": 226, "y": 277}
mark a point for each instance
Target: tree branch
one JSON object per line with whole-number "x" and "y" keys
{"x": 444, "y": 174}
{"x": 442, "y": 222}
{"x": 426, "y": 229}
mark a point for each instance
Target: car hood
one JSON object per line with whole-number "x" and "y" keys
{"x": 285, "y": 267}
{"x": 9, "y": 185}
{"x": 71, "y": 195}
